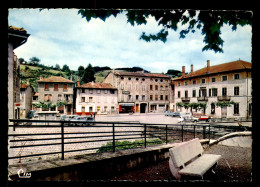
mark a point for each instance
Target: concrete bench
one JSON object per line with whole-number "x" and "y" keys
{"x": 187, "y": 159}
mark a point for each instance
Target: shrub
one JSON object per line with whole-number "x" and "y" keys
{"x": 120, "y": 145}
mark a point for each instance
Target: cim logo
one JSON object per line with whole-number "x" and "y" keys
{"x": 22, "y": 174}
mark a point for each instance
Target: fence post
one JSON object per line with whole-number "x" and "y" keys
{"x": 114, "y": 141}
{"x": 62, "y": 140}
{"x": 209, "y": 132}
{"x": 204, "y": 132}
{"x": 145, "y": 135}
{"x": 166, "y": 134}
{"x": 194, "y": 131}
{"x": 182, "y": 133}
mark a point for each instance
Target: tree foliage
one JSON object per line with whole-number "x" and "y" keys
{"x": 88, "y": 75}
{"x": 208, "y": 21}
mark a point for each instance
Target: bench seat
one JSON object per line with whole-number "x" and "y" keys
{"x": 199, "y": 166}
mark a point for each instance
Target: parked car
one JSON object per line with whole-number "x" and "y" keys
{"x": 204, "y": 118}
{"x": 85, "y": 120}
{"x": 171, "y": 113}
{"x": 187, "y": 119}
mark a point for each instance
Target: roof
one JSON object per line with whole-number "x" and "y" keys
{"x": 140, "y": 74}
{"x": 97, "y": 85}
{"x": 17, "y": 36}
{"x": 225, "y": 67}
{"x": 56, "y": 79}
{"x": 24, "y": 85}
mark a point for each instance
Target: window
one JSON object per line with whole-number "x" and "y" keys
{"x": 46, "y": 86}
{"x": 161, "y": 87}
{"x": 143, "y": 97}
{"x": 82, "y": 99}
{"x": 214, "y": 91}
{"x": 179, "y": 94}
{"x": 236, "y": 108}
{"x": 161, "y": 80}
{"x": 202, "y": 81}
{"x": 236, "y": 76}
{"x": 194, "y": 82}
{"x": 166, "y": 97}
{"x": 224, "y": 91}
{"x": 65, "y": 87}
{"x": 143, "y": 79}
{"x": 56, "y": 88}
{"x": 179, "y": 83}
{"x": 129, "y": 97}
{"x": 166, "y": 87}
{"x": 90, "y": 99}
{"x": 112, "y": 91}
{"x": 129, "y": 78}
{"x": 213, "y": 79}
{"x": 161, "y": 97}
{"x": 105, "y": 91}
{"x": 143, "y": 87}
{"x": 91, "y": 91}
{"x": 210, "y": 92}
{"x": 186, "y": 83}
{"x": 136, "y": 97}
{"x": 98, "y": 91}
{"x": 236, "y": 90}
{"x": 156, "y": 80}
{"x": 122, "y": 78}
{"x": 156, "y": 97}
{"x": 82, "y": 109}
{"x": 151, "y": 87}
{"x": 151, "y": 97}
{"x": 47, "y": 97}
{"x": 156, "y": 87}
{"x": 59, "y": 97}
{"x": 224, "y": 77}
{"x": 186, "y": 93}
{"x": 193, "y": 93}
{"x": 83, "y": 90}
{"x": 137, "y": 79}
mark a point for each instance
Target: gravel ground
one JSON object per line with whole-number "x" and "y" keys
{"x": 234, "y": 166}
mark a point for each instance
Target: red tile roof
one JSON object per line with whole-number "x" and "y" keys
{"x": 24, "y": 85}
{"x": 16, "y": 29}
{"x": 97, "y": 85}
{"x": 140, "y": 74}
{"x": 56, "y": 79}
{"x": 225, "y": 67}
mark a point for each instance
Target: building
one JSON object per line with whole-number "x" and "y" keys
{"x": 58, "y": 92}
{"x": 141, "y": 92}
{"x": 225, "y": 89}
{"x": 100, "y": 98}
{"x": 26, "y": 94}
{"x": 16, "y": 37}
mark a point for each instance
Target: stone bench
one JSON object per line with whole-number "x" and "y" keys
{"x": 187, "y": 159}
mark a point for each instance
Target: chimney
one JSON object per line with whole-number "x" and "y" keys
{"x": 78, "y": 83}
{"x": 208, "y": 65}
{"x": 191, "y": 68}
{"x": 92, "y": 83}
{"x": 71, "y": 78}
{"x": 183, "y": 70}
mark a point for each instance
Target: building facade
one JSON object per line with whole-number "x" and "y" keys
{"x": 57, "y": 91}
{"x": 225, "y": 89}
{"x": 141, "y": 92}
{"x": 26, "y": 94}
{"x": 99, "y": 98}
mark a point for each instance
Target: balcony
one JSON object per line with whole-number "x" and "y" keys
{"x": 202, "y": 98}
{"x": 224, "y": 98}
{"x": 185, "y": 99}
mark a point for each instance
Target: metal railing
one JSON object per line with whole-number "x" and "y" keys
{"x": 90, "y": 133}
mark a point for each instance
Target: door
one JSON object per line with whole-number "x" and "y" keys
{"x": 137, "y": 108}
{"x": 143, "y": 107}
{"x": 224, "y": 112}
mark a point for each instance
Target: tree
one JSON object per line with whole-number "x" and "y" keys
{"x": 66, "y": 68}
{"x": 57, "y": 66}
{"x": 81, "y": 70}
{"x": 34, "y": 61}
{"x": 209, "y": 22}
{"x": 88, "y": 75}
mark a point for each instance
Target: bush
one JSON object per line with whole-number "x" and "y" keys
{"x": 120, "y": 145}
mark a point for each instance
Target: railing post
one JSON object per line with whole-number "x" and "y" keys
{"x": 182, "y": 133}
{"x": 62, "y": 140}
{"x": 166, "y": 134}
{"x": 209, "y": 132}
{"x": 204, "y": 132}
{"x": 194, "y": 131}
{"x": 145, "y": 135}
{"x": 114, "y": 140}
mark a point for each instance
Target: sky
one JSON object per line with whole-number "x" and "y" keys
{"x": 62, "y": 36}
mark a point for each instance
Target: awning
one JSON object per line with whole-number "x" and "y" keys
{"x": 126, "y": 104}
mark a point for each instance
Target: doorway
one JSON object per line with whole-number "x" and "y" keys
{"x": 143, "y": 107}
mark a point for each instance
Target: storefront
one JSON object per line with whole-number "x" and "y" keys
{"x": 126, "y": 107}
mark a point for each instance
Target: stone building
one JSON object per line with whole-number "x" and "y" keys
{"x": 55, "y": 90}
{"x": 26, "y": 94}
{"x": 216, "y": 86}
{"x": 16, "y": 37}
{"x": 99, "y": 98}
{"x": 141, "y": 92}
